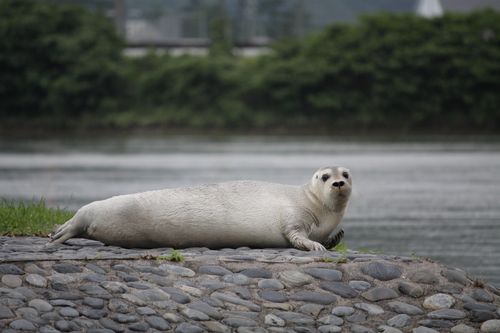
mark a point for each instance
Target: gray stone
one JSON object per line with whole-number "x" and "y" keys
{"x": 35, "y": 269}
{"x": 235, "y": 300}
{"x": 357, "y": 317}
{"x": 313, "y": 297}
{"x": 123, "y": 318}
{"x": 329, "y": 329}
{"x": 439, "y": 301}
{"x": 479, "y": 316}
{"x": 411, "y": 289}
{"x": 382, "y": 271}
{"x": 188, "y": 328}
{"x": 115, "y": 287}
{"x": 388, "y": 329}
{"x": 339, "y": 288}
{"x": 273, "y": 296}
{"x": 93, "y": 302}
{"x": 238, "y": 279}
{"x": 66, "y": 268}
{"x": 12, "y": 281}
{"x": 491, "y": 326}
{"x": 449, "y": 288}
{"x": 355, "y": 328}
{"x": 436, "y": 323}
{"x": 454, "y": 275}
{"x": 239, "y": 321}
{"x": 127, "y": 277}
{"x": 40, "y": 305}
{"x": 331, "y": 320}
{"x": 5, "y": 312}
{"x": 476, "y": 306}
{"x": 343, "y": 311}
{"x": 22, "y": 325}
{"x": 273, "y": 320}
{"x": 213, "y": 326}
{"x": 119, "y": 306}
{"x": 177, "y": 295}
{"x": 270, "y": 284}
{"x": 138, "y": 285}
{"x": 94, "y": 290}
{"x": 93, "y": 313}
{"x": 194, "y": 314}
{"x": 26, "y": 292}
{"x": 423, "y": 329}
{"x": 95, "y": 268}
{"x": 62, "y": 302}
{"x": 206, "y": 309}
{"x": 47, "y": 329}
{"x": 481, "y": 295}
{"x": 371, "y": 309}
{"x": 379, "y": 294}
{"x": 400, "y": 307}
{"x": 157, "y": 323}
{"x": 401, "y": 320}
{"x": 257, "y": 273}
{"x": 178, "y": 270}
{"x": 68, "y": 312}
{"x": 36, "y": 280}
{"x": 138, "y": 327}
{"x": 311, "y": 309}
{"x": 146, "y": 296}
{"x": 359, "y": 285}
{"x": 462, "y": 328}
{"x": 145, "y": 311}
{"x": 423, "y": 276}
{"x": 448, "y": 314}
{"x": 214, "y": 270}
{"x": 295, "y": 318}
{"x": 294, "y": 278}
{"x": 324, "y": 273}
{"x": 66, "y": 326}
{"x": 122, "y": 268}
{"x": 10, "y": 269}
{"x": 111, "y": 324}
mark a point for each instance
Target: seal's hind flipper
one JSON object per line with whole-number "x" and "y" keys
{"x": 66, "y": 231}
{"x": 334, "y": 240}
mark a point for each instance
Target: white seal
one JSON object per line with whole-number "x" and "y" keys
{"x": 231, "y": 214}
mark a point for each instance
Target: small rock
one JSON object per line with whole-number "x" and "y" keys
{"x": 331, "y": 320}
{"x": 293, "y": 278}
{"x": 454, "y": 275}
{"x": 40, "y": 305}
{"x": 110, "y": 324}
{"x": 424, "y": 276}
{"x": 401, "y": 320}
{"x": 371, "y": 309}
{"x": 357, "y": 317}
{"x": 214, "y": 270}
{"x": 123, "y": 318}
{"x": 95, "y": 268}
{"x": 448, "y": 314}
{"x": 225, "y": 297}
{"x": 400, "y": 307}
{"x": 476, "y": 306}
{"x": 355, "y": 328}
{"x": 68, "y": 312}
{"x": 188, "y": 328}
{"x": 145, "y": 311}
{"x": 138, "y": 327}
{"x": 270, "y": 284}
{"x": 324, "y": 273}
{"x": 206, "y": 309}
{"x": 116, "y": 305}
{"x": 382, "y": 271}
{"x": 329, "y": 329}
{"x": 213, "y": 326}
{"x": 238, "y": 279}
{"x": 273, "y": 320}
{"x": 491, "y": 326}
{"x": 410, "y": 289}
{"x": 157, "y": 323}
{"x": 379, "y": 294}
{"x": 439, "y": 301}
{"x": 36, "y": 280}
{"x": 11, "y": 281}
{"x": 388, "y": 329}
{"x": 436, "y": 323}
{"x": 257, "y": 273}
{"x": 479, "y": 316}
{"x": 22, "y": 325}
{"x": 339, "y": 288}
{"x": 295, "y": 318}
{"x": 462, "y": 328}
{"x": 66, "y": 326}
{"x": 177, "y": 295}
{"x": 313, "y": 297}
{"x": 359, "y": 285}
{"x": 178, "y": 270}
{"x": 194, "y": 314}
{"x": 239, "y": 321}
{"x": 481, "y": 295}
{"x": 5, "y": 312}
{"x": 66, "y": 268}
{"x": 342, "y": 311}
{"x": 10, "y": 269}
{"x": 423, "y": 329}
{"x": 273, "y": 296}
{"x": 93, "y": 302}
{"x": 311, "y": 309}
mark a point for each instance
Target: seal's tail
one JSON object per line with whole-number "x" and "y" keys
{"x": 68, "y": 230}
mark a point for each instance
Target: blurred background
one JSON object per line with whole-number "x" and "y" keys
{"x": 103, "y": 97}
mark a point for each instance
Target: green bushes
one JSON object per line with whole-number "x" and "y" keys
{"x": 386, "y": 71}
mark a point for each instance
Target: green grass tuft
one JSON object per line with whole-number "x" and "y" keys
{"x": 30, "y": 218}
{"x": 173, "y": 256}
{"x": 341, "y": 248}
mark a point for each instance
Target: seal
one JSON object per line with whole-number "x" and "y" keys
{"x": 230, "y": 214}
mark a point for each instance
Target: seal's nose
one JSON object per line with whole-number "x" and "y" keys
{"x": 338, "y": 184}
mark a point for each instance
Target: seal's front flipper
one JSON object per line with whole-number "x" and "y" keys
{"x": 334, "y": 240}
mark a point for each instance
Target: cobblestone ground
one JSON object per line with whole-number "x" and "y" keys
{"x": 84, "y": 286}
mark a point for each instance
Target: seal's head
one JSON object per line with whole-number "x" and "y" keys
{"x": 332, "y": 185}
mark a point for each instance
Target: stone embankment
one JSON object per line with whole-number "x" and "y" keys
{"x": 84, "y": 286}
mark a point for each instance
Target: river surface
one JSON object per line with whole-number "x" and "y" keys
{"x": 433, "y": 199}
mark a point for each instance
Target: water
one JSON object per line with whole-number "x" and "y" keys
{"x": 432, "y": 199}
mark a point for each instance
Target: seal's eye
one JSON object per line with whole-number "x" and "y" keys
{"x": 325, "y": 177}
{"x": 345, "y": 174}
